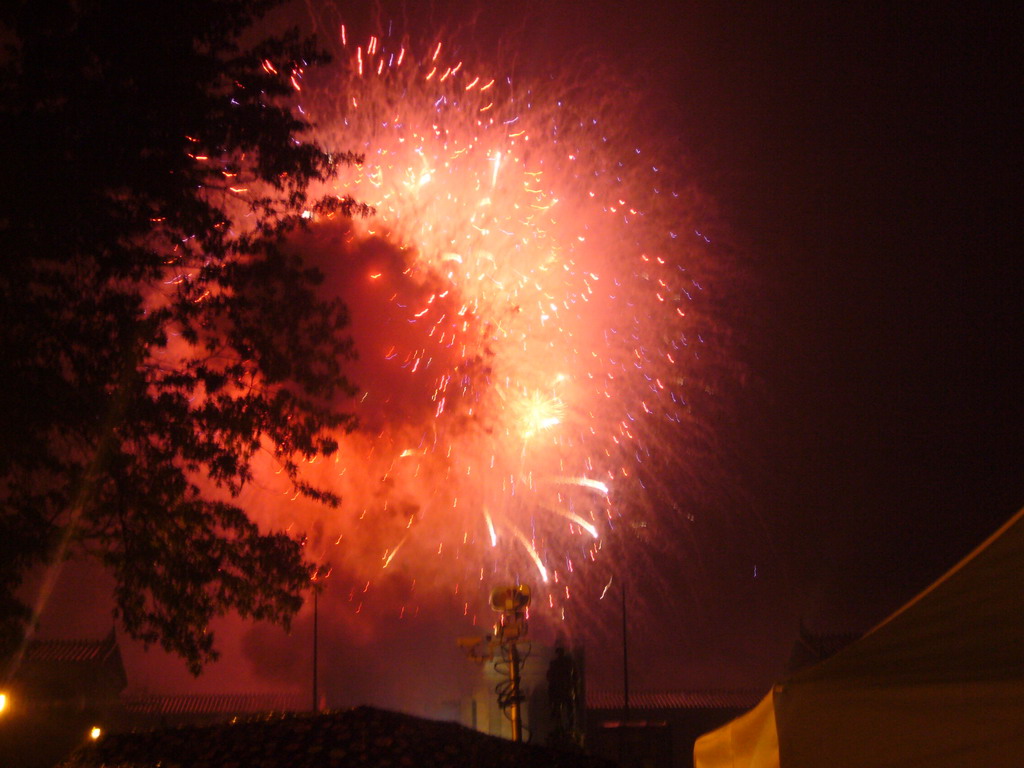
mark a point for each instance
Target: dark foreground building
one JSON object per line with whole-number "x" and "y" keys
{"x": 60, "y": 691}
{"x": 65, "y": 688}
{"x": 363, "y": 737}
{"x": 659, "y": 729}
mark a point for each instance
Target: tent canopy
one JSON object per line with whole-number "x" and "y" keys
{"x": 938, "y": 683}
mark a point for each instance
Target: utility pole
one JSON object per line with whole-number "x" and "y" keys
{"x": 511, "y": 602}
{"x": 625, "y": 659}
{"x": 624, "y": 725}
{"x": 316, "y": 641}
{"x": 316, "y": 699}
{"x": 515, "y": 714}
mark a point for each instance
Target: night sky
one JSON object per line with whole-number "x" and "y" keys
{"x": 865, "y": 165}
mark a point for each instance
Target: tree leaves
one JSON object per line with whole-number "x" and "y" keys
{"x": 154, "y": 335}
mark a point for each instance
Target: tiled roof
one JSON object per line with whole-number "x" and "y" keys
{"x": 65, "y": 650}
{"x": 362, "y": 737}
{"x": 56, "y": 669}
{"x": 74, "y": 651}
{"x": 674, "y": 699}
{"x": 211, "y": 704}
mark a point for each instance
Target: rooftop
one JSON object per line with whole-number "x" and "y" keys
{"x": 71, "y": 650}
{"x": 675, "y": 699}
{"x": 209, "y": 704}
{"x": 362, "y": 736}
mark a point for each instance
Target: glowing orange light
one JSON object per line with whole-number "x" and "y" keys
{"x": 532, "y": 346}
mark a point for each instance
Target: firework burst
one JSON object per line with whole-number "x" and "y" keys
{"x": 528, "y": 307}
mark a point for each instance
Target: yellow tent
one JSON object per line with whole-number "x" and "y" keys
{"x": 939, "y": 683}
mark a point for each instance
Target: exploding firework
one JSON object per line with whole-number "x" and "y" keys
{"x": 529, "y": 307}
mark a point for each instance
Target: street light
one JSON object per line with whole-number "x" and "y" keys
{"x": 511, "y": 602}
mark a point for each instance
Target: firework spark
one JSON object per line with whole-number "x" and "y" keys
{"x": 529, "y": 316}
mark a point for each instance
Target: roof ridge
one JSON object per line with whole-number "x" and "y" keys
{"x": 675, "y": 699}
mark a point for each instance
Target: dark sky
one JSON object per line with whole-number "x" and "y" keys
{"x": 867, "y": 164}
{"x": 866, "y": 160}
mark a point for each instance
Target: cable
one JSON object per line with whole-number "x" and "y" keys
{"x": 503, "y": 690}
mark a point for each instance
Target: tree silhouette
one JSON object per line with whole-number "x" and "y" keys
{"x": 154, "y": 335}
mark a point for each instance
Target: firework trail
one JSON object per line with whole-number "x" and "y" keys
{"x": 529, "y": 310}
